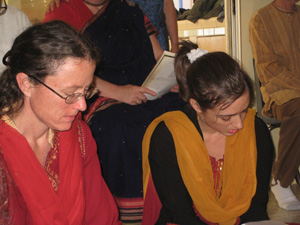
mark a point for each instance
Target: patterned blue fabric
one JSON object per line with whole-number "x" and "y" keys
{"x": 154, "y": 9}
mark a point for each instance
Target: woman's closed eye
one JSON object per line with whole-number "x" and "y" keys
{"x": 228, "y": 118}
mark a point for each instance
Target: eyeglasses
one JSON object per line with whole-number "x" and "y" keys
{"x": 73, "y": 98}
{"x": 3, "y": 8}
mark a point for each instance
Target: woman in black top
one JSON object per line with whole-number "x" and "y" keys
{"x": 219, "y": 93}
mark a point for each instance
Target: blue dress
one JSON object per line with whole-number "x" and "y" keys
{"x": 127, "y": 58}
{"x": 154, "y": 10}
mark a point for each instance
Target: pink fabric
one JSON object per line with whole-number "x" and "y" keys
{"x": 152, "y": 205}
{"x": 75, "y": 13}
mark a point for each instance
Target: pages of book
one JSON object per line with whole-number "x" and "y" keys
{"x": 162, "y": 77}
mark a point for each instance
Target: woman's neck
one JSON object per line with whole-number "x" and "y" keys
{"x": 32, "y": 129}
{"x": 213, "y": 140}
{"x": 38, "y": 136}
{"x": 95, "y": 6}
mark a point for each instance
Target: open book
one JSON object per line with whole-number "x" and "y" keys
{"x": 162, "y": 77}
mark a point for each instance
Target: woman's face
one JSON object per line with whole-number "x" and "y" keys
{"x": 226, "y": 121}
{"x": 74, "y": 76}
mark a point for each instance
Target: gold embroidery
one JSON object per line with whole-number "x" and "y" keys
{"x": 81, "y": 138}
{"x": 219, "y": 178}
{"x": 51, "y": 157}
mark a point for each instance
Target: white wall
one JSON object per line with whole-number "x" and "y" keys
{"x": 248, "y": 7}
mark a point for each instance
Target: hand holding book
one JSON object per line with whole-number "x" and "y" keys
{"x": 162, "y": 77}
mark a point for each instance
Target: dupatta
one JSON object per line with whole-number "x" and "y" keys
{"x": 45, "y": 206}
{"x": 239, "y": 170}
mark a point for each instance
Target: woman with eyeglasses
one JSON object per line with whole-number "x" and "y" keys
{"x": 49, "y": 169}
{"x": 12, "y": 22}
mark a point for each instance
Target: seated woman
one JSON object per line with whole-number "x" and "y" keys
{"x": 49, "y": 169}
{"x": 211, "y": 162}
{"x": 128, "y": 52}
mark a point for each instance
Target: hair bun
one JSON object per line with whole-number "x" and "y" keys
{"x": 5, "y": 59}
{"x": 195, "y": 54}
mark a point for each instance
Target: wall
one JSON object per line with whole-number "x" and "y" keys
{"x": 247, "y": 9}
{"x": 34, "y": 9}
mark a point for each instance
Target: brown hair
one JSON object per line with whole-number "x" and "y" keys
{"x": 217, "y": 79}
{"x": 39, "y": 51}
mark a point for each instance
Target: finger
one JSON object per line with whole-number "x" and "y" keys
{"x": 50, "y": 7}
{"x": 141, "y": 96}
{"x": 132, "y": 103}
{"x": 57, "y": 3}
{"x": 148, "y": 91}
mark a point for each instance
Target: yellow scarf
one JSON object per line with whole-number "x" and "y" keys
{"x": 239, "y": 170}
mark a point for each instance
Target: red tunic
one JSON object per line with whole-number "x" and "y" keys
{"x": 68, "y": 190}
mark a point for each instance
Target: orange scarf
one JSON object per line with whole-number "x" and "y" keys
{"x": 239, "y": 170}
{"x": 47, "y": 207}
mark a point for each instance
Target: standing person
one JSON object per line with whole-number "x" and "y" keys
{"x": 129, "y": 50}
{"x": 161, "y": 13}
{"x": 49, "y": 169}
{"x": 275, "y": 42}
{"x": 12, "y": 23}
{"x": 210, "y": 163}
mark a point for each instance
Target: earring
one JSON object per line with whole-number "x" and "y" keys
{"x": 199, "y": 115}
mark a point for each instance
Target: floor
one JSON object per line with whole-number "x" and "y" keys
{"x": 278, "y": 214}
{"x": 274, "y": 211}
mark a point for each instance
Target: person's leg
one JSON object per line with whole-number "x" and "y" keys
{"x": 288, "y": 160}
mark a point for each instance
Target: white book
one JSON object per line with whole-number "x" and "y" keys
{"x": 162, "y": 77}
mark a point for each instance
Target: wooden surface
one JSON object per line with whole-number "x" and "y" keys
{"x": 276, "y": 213}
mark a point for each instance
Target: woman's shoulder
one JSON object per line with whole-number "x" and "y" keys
{"x": 260, "y": 125}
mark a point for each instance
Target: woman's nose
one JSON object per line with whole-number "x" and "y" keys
{"x": 81, "y": 104}
{"x": 238, "y": 121}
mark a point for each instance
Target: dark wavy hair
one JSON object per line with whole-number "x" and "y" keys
{"x": 216, "y": 79}
{"x": 39, "y": 51}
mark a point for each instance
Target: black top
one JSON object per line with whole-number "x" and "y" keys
{"x": 177, "y": 205}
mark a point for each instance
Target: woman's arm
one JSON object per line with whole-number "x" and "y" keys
{"x": 157, "y": 50}
{"x": 171, "y": 21}
{"x": 129, "y": 94}
{"x": 176, "y": 201}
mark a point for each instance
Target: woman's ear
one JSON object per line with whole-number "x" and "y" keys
{"x": 24, "y": 83}
{"x": 195, "y": 105}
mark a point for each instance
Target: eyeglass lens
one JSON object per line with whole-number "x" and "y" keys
{"x": 3, "y": 8}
